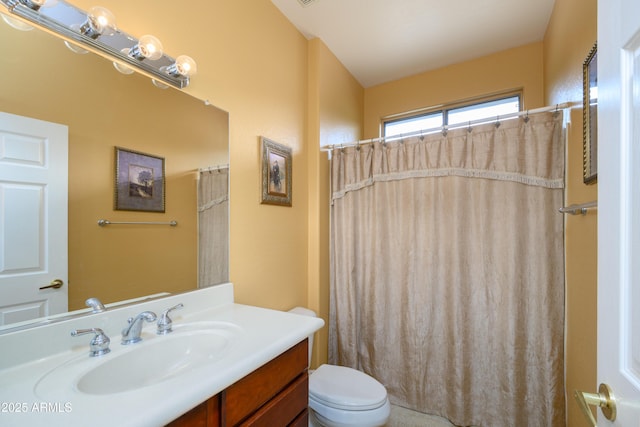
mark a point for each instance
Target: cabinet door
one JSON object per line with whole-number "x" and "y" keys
{"x": 283, "y": 409}
{"x": 276, "y": 394}
{"x": 302, "y": 420}
{"x": 206, "y": 414}
{"x": 253, "y": 391}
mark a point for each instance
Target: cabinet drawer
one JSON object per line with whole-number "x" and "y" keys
{"x": 253, "y": 391}
{"x": 206, "y": 414}
{"x": 301, "y": 420}
{"x": 284, "y": 408}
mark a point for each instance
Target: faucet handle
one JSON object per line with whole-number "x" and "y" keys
{"x": 164, "y": 322}
{"x": 99, "y": 344}
{"x": 96, "y": 305}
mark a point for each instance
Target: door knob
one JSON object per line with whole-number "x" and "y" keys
{"x": 603, "y": 399}
{"x": 55, "y": 284}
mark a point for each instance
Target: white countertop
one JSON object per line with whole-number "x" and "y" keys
{"x": 26, "y": 357}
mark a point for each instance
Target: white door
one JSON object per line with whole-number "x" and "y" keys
{"x": 33, "y": 218}
{"x": 619, "y": 207}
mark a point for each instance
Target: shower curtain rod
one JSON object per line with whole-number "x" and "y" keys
{"x": 213, "y": 168}
{"x": 447, "y": 127}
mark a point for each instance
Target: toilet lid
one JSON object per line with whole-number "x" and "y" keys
{"x": 346, "y": 388}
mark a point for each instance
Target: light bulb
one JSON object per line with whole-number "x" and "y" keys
{"x": 148, "y": 47}
{"x": 100, "y": 21}
{"x": 75, "y": 48}
{"x": 158, "y": 84}
{"x": 184, "y": 66}
{"x": 122, "y": 68}
{"x": 15, "y": 23}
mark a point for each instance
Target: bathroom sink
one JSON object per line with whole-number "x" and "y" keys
{"x": 154, "y": 360}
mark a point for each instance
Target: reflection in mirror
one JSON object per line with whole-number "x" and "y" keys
{"x": 102, "y": 109}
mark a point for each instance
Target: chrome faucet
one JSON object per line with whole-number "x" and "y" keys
{"x": 165, "y": 322}
{"x": 131, "y": 333}
{"x": 99, "y": 344}
{"x": 95, "y": 304}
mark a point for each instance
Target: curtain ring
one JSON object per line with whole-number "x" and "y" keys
{"x": 497, "y": 124}
{"x": 526, "y": 117}
{"x": 469, "y": 127}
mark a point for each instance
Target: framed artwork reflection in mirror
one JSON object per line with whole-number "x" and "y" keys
{"x": 139, "y": 182}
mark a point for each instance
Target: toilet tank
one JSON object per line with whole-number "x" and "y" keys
{"x": 306, "y": 312}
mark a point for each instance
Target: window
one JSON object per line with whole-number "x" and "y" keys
{"x": 453, "y": 115}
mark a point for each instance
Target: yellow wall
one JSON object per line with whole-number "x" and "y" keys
{"x": 570, "y": 35}
{"x": 334, "y": 116}
{"x": 519, "y": 68}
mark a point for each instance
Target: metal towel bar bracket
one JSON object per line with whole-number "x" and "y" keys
{"x": 103, "y": 222}
{"x": 579, "y": 209}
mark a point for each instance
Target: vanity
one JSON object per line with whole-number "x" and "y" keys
{"x": 275, "y": 394}
{"x": 223, "y": 364}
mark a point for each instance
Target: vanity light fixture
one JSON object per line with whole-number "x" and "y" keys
{"x": 100, "y": 21}
{"x": 16, "y": 23}
{"x": 148, "y": 47}
{"x": 96, "y": 31}
{"x": 33, "y": 4}
{"x": 156, "y": 83}
{"x": 184, "y": 66}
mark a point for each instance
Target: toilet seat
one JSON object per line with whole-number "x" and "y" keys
{"x": 345, "y": 388}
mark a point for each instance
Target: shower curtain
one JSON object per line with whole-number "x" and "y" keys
{"x": 213, "y": 227}
{"x": 447, "y": 274}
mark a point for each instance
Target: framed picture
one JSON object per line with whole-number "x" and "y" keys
{"x": 590, "y": 117}
{"x": 276, "y": 173}
{"x": 140, "y": 183}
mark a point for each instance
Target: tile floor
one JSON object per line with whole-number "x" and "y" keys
{"x": 402, "y": 417}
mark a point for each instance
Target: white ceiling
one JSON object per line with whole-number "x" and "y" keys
{"x": 384, "y": 40}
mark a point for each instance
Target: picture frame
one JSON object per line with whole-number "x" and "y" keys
{"x": 139, "y": 181}
{"x": 276, "y": 173}
{"x": 590, "y": 117}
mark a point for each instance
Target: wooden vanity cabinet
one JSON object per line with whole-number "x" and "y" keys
{"x": 274, "y": 395}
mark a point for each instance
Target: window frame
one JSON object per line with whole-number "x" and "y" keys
{"x": 444, "y": 109}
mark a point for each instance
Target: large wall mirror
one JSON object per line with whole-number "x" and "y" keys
{"x": 104, "y": 109}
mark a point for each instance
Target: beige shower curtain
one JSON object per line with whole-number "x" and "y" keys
{"x": 213, "y": 227}
{"x": 447, "y": 275}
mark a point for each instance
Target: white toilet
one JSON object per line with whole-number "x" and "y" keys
{"x": 344, "y": 397}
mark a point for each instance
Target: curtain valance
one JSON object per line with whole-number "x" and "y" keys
{"x": 481, "y": 152}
